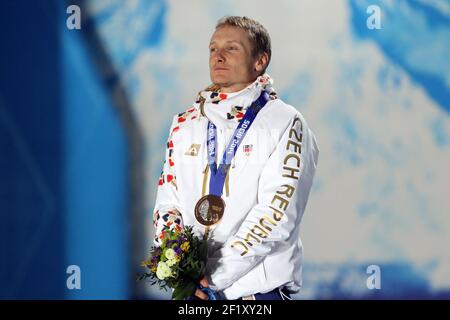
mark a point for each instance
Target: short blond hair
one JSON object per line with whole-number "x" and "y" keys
{"x": 257, "y": 34}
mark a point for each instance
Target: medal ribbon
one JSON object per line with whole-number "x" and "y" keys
{"x": 218, "y": 174}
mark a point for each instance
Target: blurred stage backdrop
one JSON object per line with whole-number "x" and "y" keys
{"x": 84, "y": 117}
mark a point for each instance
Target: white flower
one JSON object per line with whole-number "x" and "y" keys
{"x": 171, "y": 262}
{"x": 163, "y": 270}
{"x": 170, "y": 254}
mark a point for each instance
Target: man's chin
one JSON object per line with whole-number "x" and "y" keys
{"x": 220, "y": 79}
{"x": 220, "y": 82}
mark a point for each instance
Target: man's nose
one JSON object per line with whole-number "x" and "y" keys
{"x": 218, "y": 55}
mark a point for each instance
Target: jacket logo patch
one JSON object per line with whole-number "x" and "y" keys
{"x": 247, "y": 149}
{"x": 193, "y": 150}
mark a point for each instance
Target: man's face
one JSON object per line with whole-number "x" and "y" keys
{"x": 231, "y": 64}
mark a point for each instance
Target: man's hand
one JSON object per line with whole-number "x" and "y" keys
{"x": 199, "y": 293}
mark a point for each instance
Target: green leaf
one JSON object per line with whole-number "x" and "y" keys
{"x": 184, "y": 291}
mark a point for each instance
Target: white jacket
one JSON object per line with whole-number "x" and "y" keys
{"x": 256, "y": 247}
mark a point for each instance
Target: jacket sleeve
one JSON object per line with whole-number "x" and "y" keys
{"x": 283, "y": 192}
{"x": 167, "y": 213}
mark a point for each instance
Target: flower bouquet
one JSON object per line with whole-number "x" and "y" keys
{"x": 178, "y": 263}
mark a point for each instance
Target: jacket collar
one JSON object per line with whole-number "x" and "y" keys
{"x": 227, "y": 109}
{"x": 246, "y": 96}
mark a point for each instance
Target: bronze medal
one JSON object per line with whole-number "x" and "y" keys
{"x": 209, "y": 210}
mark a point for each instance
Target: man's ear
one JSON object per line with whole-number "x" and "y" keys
{"x": 261, "y": 63}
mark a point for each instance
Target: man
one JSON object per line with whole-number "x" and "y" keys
{"x": 245, "y": 153}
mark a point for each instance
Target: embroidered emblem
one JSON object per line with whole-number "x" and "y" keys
{"x": 193, "y": 150}
{"x": 247, "y": 149}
